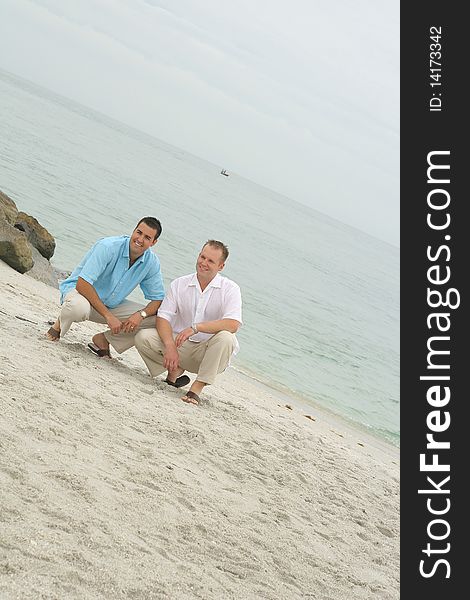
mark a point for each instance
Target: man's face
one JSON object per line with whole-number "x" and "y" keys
{"x": 142, "y": 238}
{"x": 209, "y": 262}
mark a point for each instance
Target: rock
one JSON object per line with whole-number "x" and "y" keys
{"x": 42, "y": 269}
{"x": 8, "y": 210}
{"x": 25, "y": 244}
{"x": 14, "y": 248}
{"x": 38, "y": 235}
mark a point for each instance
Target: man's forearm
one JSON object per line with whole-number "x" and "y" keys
{"x": 165, "y": 332}
{"x": 211, "y": 327}
{"x": 152, "y": 307}
{"x": 88, "y": 291}
{"x": 231, "y": 325}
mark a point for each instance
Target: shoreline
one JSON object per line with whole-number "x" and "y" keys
{"x": 335, "y": 419}
{"x": 111, "y": 487}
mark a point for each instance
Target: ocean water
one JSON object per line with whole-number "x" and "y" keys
{"x": 321, "y": 299}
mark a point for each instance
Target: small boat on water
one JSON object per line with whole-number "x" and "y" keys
{"x": 224, "y": 172}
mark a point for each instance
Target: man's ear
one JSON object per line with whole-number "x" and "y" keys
{"x": 154, "y": 242}
{"x": 221, "y": 266}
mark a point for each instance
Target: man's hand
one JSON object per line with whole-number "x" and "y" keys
{"x": 132, "y": 323}
{"x": 114, "y": 323}
{"x": 170, "y": 359}
{"x": 183, "y": 336}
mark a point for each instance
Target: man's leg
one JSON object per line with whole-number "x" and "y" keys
{"x": 75, "y": 308}
{"x": 151, "y": 348}
{"x": 120, "y": 341}
{"x": 207, "y": 359}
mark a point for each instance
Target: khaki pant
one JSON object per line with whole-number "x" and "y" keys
{"x": 207, "y": 359}
{"x": 76, "y": 308}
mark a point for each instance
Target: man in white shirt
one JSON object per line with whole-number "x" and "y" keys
{"x": 195, "y": 325}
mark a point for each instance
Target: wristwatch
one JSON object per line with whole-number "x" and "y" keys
{"x": 194, "y": 328}
{"x": 143, "y": 314}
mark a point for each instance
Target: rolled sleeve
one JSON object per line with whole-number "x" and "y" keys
{"x": 169, "y": 306}
{"x": 152, "y": 285}
{"x": 233, "y": 304}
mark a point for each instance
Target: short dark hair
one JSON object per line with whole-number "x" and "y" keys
{"x": 221, "y": 246}
{"x": 153, "y": 223}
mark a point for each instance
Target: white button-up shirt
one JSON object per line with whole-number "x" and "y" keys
{"x": 185, "y": 304}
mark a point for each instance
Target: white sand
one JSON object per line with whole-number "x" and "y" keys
{"x": 111, "y": 487}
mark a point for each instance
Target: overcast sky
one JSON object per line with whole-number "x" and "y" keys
{"x": 301, "y": 96}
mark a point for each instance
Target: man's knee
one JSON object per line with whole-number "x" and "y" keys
{"x": 147, "y": 339}
{"x": 225, "y": 338}
{"x": 77, "y": 306}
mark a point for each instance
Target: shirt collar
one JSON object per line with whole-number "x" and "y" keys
{"x": 216, "y": 282}
{"x": 126, "y": 249}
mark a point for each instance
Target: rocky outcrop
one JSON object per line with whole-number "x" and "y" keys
{"x": 25, "y": 244}
{"x": 8, "y": 210}
{"x": 15, "y": 249}
{"x": 43, "y": 270}
{"x": 37, "y": 235}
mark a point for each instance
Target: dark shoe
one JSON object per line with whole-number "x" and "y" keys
{"x": 179, "y": 382}
{"x": 99, "y": 351}
{"x": 54, "y": 334}
{"x": 191, "y": 398}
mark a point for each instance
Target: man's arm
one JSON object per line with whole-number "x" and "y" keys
{"x": 170, "y": 356}
{"x": 151, "y": 286}
{"x": 231, "y": 325}
{"x": 88, "y": 291}
{"x": 136, "y": 319}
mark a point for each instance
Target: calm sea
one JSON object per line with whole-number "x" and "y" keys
{"x": 321, "y": 299}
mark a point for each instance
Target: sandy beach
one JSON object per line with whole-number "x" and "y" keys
{"x": 112, "y": 488}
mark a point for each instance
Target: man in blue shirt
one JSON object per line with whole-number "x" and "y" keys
{"x": 97, "y": 289}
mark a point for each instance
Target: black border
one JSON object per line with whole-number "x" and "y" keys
{"x": 423, "y": 131}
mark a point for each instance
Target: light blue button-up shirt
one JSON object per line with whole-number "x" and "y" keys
{"x": 106, "y": 267}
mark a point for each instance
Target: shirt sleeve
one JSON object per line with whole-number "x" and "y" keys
{"x": 169, "y": 306}
{"x": 233, "y": 304}
{"x": 152, "y": 285}
{"x": 95, "y": 263}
